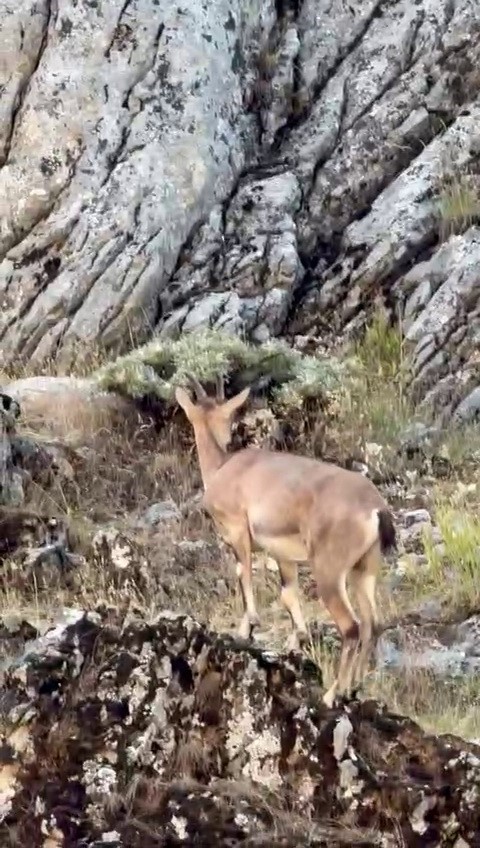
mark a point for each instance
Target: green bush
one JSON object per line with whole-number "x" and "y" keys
{"x": 155, "y": 369}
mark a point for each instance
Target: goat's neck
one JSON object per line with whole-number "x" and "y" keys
{"x": 210, "y": 455}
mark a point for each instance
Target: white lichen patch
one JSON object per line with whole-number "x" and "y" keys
{"x": 179, "y": 824}
{"x": 54, "y": 837}
{"x": 305, "y": 790}
{"x": 417, "y": 818}
{"x": 465, "y": 757}
{"x": 21, "y": 741}
{"x": 140, "y": 751}
{"x": 8, "y": 788}
{"x": 120, "y": 551}
{"x": 470, "y": 796}
{"x": 100, "y": 779}
{"x": 67, "y": 618}
{"x": 240, "y": 729}
{"x": 259, "y": 749}
{"x": 39, "y": 806}
{"x": 164, "y": 670}
{"x": 241, "y": 820}
{"x": 349, "y": 785}
{"x": 77, "y": 657}
{"x": 136, "y": 689}
{"x": 263, "y": 752}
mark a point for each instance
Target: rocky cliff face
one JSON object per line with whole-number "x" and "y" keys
{"x": 266, "y": 167}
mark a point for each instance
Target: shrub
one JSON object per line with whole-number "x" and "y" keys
{"x": 156, "y": 368}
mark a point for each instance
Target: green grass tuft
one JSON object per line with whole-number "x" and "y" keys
{"x": 459, "y": 204}
{"x": 455, "y": 565}
{"x": 376, "y": 406}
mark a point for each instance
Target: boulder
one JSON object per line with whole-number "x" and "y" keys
{"x": 120, "y": 731}
{"x": 70, "y": 409}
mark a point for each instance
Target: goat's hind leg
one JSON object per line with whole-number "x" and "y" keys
{"x": 332, "y": 590}
{"x": 364, "y": 575}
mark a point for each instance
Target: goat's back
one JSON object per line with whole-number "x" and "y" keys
{"x": 289, "y": 482}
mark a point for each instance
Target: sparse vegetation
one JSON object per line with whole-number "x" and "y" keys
{"x": 459, "y": 203}
{"x": 454, "y": 564}
{"x": 376, "y": 406}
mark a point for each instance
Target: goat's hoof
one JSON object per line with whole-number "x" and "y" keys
{"x": 355, "y": 693}
{"x": 244, "y": 631}
{"x": 296, "y": 641}
{"x": 247, "y": 626}
{"x": 329, "y": 699}
{"x": 292, "y": 643}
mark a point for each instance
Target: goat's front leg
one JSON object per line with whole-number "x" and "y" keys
{"x": 242, "y": 547}
{"x": 290, "y": 600}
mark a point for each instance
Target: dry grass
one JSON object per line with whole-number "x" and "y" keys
{"x": 82, "y": 361}
{"x": 377, "y": 405}
{"x": 135, "y": 812}
{"x": 459, "y": 203}
{"x": 117, "y": 472}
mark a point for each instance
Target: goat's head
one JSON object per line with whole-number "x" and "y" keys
{"x": 214, "y": 413}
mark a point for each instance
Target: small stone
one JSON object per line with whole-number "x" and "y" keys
{"x": 417, "y": 516}
{"x": 430, "y": 610}
{"x": 160, "y": 512}
{"x": 469, "y": 408}
{"x": 360, "y": 468}
{"x": 221, "y": 588}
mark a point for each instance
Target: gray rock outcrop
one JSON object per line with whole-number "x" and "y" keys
{"x": 264, "y": 167}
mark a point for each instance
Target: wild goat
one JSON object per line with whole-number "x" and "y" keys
{"x": 296, "y": 509}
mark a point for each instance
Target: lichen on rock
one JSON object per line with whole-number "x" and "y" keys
{"x": 114, "y": 727}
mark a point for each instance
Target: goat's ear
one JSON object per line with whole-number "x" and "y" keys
{"x": 231, "y": 406}
{"x": 184, "y": 401}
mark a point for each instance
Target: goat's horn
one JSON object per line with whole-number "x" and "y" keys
{"x": 197, "y": 387}
{"x": 220, "y": 388}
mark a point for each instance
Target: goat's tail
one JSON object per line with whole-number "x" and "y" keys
{"x": 386, "y": 531}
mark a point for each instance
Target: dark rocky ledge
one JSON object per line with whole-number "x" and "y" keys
{"x": 120, "y": 732}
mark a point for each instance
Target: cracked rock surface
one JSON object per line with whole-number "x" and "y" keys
{"x": 266, "y": 167}
{"x": 116, "y": 731}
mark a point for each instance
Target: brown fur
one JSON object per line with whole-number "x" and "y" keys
{"x": 296, "y": 509}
